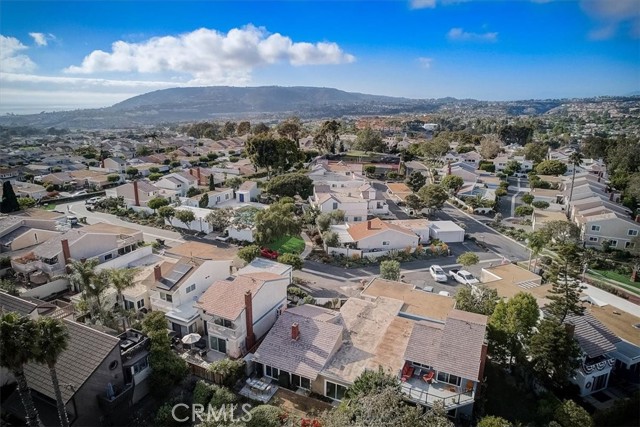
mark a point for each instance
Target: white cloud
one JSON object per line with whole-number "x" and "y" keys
{"x": 422, "y": 4}
{"x": 211, "y": 57}
{"x": 461, "y": 35}
{"x": 40, "y": 39}
{"x": 10, "y": 58}
{"x": 611, "y": 15}
{"x": 425, "y": 62}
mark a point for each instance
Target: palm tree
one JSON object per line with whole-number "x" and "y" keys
{"x": 121, "y": 279}
{"x": 98, "y": 285}
{"x": 536, "y": 243}
{"x": 52, "y": 339}
{"x": 81, "y": 273}
{"x": 576, "y": 160}
{"x": 16, "y": 337}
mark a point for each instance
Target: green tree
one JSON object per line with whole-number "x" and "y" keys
{"x": 570, "y": 414}
{"x": 490, "y": 147}
{"x": 9, "y": 200}
{"x": 243, "y": 128}
{"x": 540, "y": 204}
{"x": 414, "y": 202}
{"x": 535, "y": 151}
{"x": 536, "y": 242}
{"x": 18, "y": 348}
{"x": 415, "y": 181}
{"x": 290, "y": 185}
{"x": 575, "y": 159}
{"x": 493, "y": 421}
{"x": 155, "y": 176}
{"x": 265, "y": 416}
{"x": 204, "y": 201}
{"x": 369, "y": 170}
{"x": 185, "y": 216}
{"x": 81, "y": 273}
{"x": 156, "y": 203}
{"x": 212, "y": 183}
{"x": 323, "y": 221}
{"x": 266, "y": 151}
{"x": 551, "y": 167}
{"x": 132, "y": 172}
{"x": 51, "y": 340}
{"x": 193, "y": 191}
{"x": 481, "y": 300}
{"x": 26, "y": 202}
{"x": 249, "y": 253}
{"x": 515, "y": 134}
{"x": 277, "y": 221}
{"x": 167, "y": 368}
{"x": 560, "y": 232}
{"x": 511, "y": 326}
{"x": 234, "y": 182}
{"x": 452, "y": 182}
{"x": 368, "y": 139}
{"x": 166, "y": 212}
{"x": 113, "y": 178}
{"x": 512, "y": 167}
{"x": 122, "y": 279}
{"x": 527, "y": 198}
{"x": 327, "y": 136}
{"x": 219, "y": 219}
{"x": 523, "y": 210}
{"x": 290, "y": 128}
{"x": 554, "y": 353}
{"x": 565, "y": 287}
{"x": 229, "y": 129}
{"x": 436, "y": 148}
{"x": 467, "y": 259}
{"x": 331, "y": 239}
{"x": 433, "y": 196}
{"x": 291, "y": 259}
{"x": 390, "y": 270}
{"x": 371, "y": 381}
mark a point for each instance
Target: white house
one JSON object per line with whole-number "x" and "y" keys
{"x": 247, "y": 192}
{"x": 377, "y": 235}
{"x": 198, "y": 224}
{"x": 179, "y": 183}
{"x": 239, "y": 311}
{"x": 354, "y": 207}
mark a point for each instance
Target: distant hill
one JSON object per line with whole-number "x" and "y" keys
{"x": 253, "y": 103}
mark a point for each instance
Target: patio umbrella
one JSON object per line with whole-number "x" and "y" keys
{"x": 191, "y": 338}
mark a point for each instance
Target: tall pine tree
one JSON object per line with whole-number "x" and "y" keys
{"x": 9, "y": 200}
{"x": 565, "y": 291}
{"x": 212, "y": 184}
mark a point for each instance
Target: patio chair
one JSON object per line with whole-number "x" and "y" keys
{"x": 407, "y": 372}
{"x": 428, "y": 377}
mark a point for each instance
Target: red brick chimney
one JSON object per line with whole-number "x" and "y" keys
{"x": 369, "y": 224}
{"x": 295, "y": 331}
{"x": 66, "y": 253}
{"x": 637, "y": 218}
{"x": 198, "y": 170}
{"x": 483, "y": 361}
{"x": 136, "y": 196}
{"x": 248, "y": 308}
{"x": 157, "y": 273}
{"x": 449, "y": 168}
{"x": 190, "y": 171}
{"x": 102, "y": 163}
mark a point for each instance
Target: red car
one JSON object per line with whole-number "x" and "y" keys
{"x": 269, "y": 253}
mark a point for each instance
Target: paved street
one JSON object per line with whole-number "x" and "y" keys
{"x": 78, "y": 209}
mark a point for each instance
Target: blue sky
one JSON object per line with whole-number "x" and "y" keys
{"x": 61, "y": 55}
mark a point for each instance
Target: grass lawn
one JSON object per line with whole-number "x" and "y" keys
{"x": 622, "y": 279}
{"x": 506, "y": 400}
{"x": 49, "y": 207}
{"x": 288, "y": 244}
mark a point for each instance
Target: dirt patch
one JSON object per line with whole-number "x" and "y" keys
{"x": 302, "y": 406}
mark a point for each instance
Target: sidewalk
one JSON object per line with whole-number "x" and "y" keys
{"x": 308, "y": 245}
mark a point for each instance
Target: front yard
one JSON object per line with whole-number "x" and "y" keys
{"x": 288, "y": 244}
{"x": 622, "y": 279}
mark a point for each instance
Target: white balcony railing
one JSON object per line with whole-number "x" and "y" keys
{"x": 161, "y": 304}
{"x": 221, "y": 331}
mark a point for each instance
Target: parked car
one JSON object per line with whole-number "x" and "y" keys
{"x": 444, "y": 293}
{"x": 72, "y": 220}
{"x": 92, "y": 201}
{"x": 464, "y": 277}
{"x": 269, "y": 253}
{"x": 438, "y": 273}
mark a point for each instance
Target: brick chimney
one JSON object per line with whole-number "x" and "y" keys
{"x": 157, "y": 273}
{"x": 66, "y": 253}
{"x": 637, "y": 218}
{"x": 190, "y": 171}
{"x": 248, "y": 316}
{"x": 198, "y": 170}
{"x": 102, "y": 163}
{"x": 611, "y": 196}
{"x": 483, "y": 361}
{"x": 449, "y": 168}
{"x": 570, "y": 328}
{"x": 295, "y": 331}
{"x": 369, "y": 224}
{"x": 136, "y": 196}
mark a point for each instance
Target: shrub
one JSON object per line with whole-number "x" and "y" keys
{"x": 540, "y": 204}
{"x": 523, "y": 210}
{"x": 266, "y": 416}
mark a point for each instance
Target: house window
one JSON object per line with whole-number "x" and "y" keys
{"x": 217, "y": 199}
{"x": 218, "y": 344}
{"x": 613, "y": 243}
{"x": 301, "y": 382}
{"x": 192, "y": 328}
{"x": 595, "y": 228}
{"x": 421, "y": 365}
{"x": 140, "y": 366}
{"x": 385, "y": 243}
{"x": 166, "y": 297}
{"x": 108, "y": 256}
{"x": 448, "y": 378}
{"x": 632, "y": 233}
{"x": 629, "y": 245}
{"x": 593, "y": 239}
{"x": 271, "y": 372}
{"x": 226, "y": 196}
{"x": 334, "y": 391}
{"x": 223, "y": 322}
{"x": 140, "y": 304}
{"x": 128, "y": 305}
{"x": 191, "y": 288}
{"x": 357, "y": 218}
{"x": 600, "y": 382}
{"x": 335, "y": 205}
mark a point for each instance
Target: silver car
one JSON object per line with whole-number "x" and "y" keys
{"x": 438, "y": 273}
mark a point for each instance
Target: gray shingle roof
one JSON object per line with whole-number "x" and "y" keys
{"x": 594, "y": 338}
{"x": 18, "y": 305}
{"x": 87, "y": 349}
{"x": 305, "y": 357}
{"x": 455, "y": 348}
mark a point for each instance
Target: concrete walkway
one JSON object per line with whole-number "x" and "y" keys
{"x": 600, "y": 297}
{"x": 308, "y": 245}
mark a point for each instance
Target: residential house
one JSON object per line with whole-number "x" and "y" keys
{"x": 510, "y": 279}
{"x": 398, "y": 191}
{"x": 445, "y": 231}
{"x": 376, "y": 235}
{"x": 9, "y": 174}
{"x": 176, "y": 284}
{"x": 20, "y": 232}
{"x": 415, "y": 166}
{"x": 178, "y": 183}
{"x": 216, "y": 197}
{"x": 114, "y": 165}
{"x": 467, "y": 172}
{"x": 616, "y": 229}
{"x": 136, "y": 193}
{"x": 355, "y": 208}
{"x": 199, "y": 224}
{"x": 247, "y": 192}
{"x": 239, "y": 311}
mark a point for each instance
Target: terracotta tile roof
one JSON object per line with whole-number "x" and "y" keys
{"x": 455, "y": 347}
{"x": 86, "y": 351}
{"x": 360, "y": 230}
{"x": 306, "y": 356}
{"x": 202, "y": 250}
{"x": 225, "y": 298}
{"x": 399, "y": 187}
